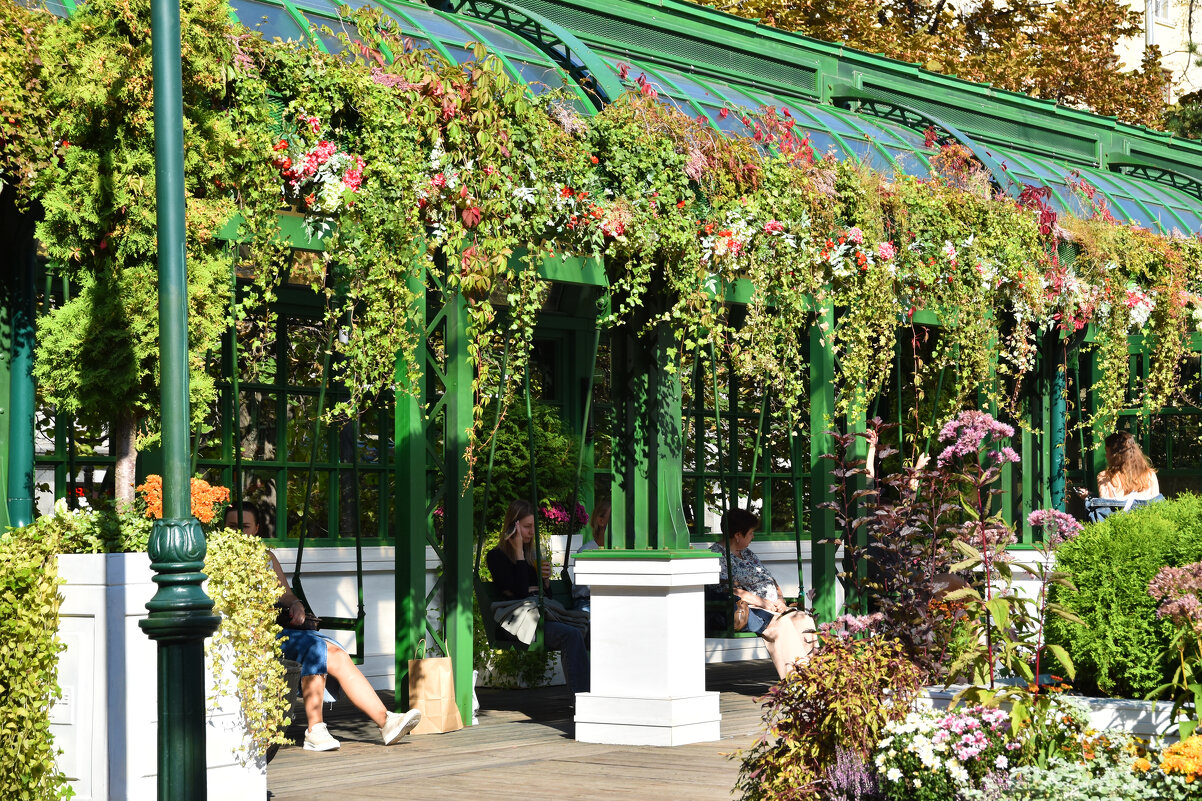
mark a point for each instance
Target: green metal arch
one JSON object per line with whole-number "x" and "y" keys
{"x": 587, "y": 68}
{"x": 912, "y": 118}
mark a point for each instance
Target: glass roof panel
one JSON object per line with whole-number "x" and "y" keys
{"x": 273, "y": 22}
{"x": 1151, "y": 215}
{"x": 436, "y": 24}
{"x": 504, "y": 41}
{"x": 732, "y": 123}
{"x": 327, "y": 7}
{"x": 55, "y": 7}
{"x": 691, "y": 88}
{"x": 909, "y": 162}
{"x": 538, "y": 77}
{"x": 824, "y": 144}
{"x": 461, "y": 55}
{"x": 1178, "y": 201}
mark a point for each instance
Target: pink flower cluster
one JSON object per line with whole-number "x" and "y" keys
{"x": 971, "y": 732}
{"x": 558, "y": 513}
{"x": 1177, "y": 588}
{"x": 1060, "y": 527}
{"x": 885, "y": 251}
{"x": 967, "y": 434}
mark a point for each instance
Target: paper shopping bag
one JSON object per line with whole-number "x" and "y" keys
{"x": 432, "y": 690}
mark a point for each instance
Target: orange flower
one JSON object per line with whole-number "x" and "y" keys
{"x": 1141, "y": 765}
{"x": 206, "y": 498}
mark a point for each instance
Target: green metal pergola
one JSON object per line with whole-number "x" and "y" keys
{"x": 852, "y": 105}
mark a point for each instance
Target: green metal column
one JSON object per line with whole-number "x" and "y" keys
{"x": 410, "y": 487}
{"x": 1055, "y": 359}
{"x": 6, "y": 357}
{"x": 648, "y": 493}
{"x": 1095, "y": 459}
{"x": 857, "y": 424}
{"x": 825, "y": 577}
{"x": 181, "y": 614}
{"x": 20, "y": 398}
{"x": 457, "y": 565}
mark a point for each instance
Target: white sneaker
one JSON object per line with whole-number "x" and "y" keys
{"x": 397, "y": 725}
{"x": 319, "y": 738}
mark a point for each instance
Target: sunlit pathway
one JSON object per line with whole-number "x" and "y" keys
{"x": 523, "y": 749}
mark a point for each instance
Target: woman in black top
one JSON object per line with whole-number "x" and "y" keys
{"x": 512, "y": 564}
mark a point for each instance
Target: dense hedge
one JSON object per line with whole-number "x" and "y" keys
{"x": 29, "y": 648}
{"x": 1123, "y": 650}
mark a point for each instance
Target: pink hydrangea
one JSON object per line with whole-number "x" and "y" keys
{"x": 854, "y": 234}
{"x": 885, "y": 251}
{"x": 774, "y": 227}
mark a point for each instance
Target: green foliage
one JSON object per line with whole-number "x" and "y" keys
{"x": 842, "y": 697}
{"x": 98, "y": 352}
{"x": 1124, "y": 650}
{"x": 555, "y": 449}
{"x": 244, "y": 590}
{"x": 25, "y": 145}
{"x": 98, "y": 532}
{"x": 1185, "y": 118}
{"x": 1066, "y": 780}
{"x": 29, "y": 648}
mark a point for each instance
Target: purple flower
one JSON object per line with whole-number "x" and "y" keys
{"x": 1059, "y": 526}
{"x": 967, "y": 434}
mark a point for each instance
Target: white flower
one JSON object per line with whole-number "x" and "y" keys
{"x": 917, "y": 784}
{"x": 525, "y": 193}
{"x": 893, "y": 774}
{"x": 1001, "y": 763}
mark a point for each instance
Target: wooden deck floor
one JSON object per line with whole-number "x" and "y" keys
{"x": 523, "y": 750}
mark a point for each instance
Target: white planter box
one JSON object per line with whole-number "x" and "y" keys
{"x": 107, "y": 721}
{"x": 1148, "y": 720}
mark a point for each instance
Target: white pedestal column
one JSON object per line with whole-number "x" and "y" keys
{"x": 648, "y": 652}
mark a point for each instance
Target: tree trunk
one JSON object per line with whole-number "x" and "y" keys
{"x": 125, "y": 448}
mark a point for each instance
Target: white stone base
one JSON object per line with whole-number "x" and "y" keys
{"x": 647, "y": 721}
{"x": 648, "y": 652}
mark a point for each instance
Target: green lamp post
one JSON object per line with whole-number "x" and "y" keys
{"x": 181, "y": 615}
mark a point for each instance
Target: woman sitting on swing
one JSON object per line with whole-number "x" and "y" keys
{"x": 320, "y": 658}
{"x": 512, "y": 564}
{"x": 787, "y": 632}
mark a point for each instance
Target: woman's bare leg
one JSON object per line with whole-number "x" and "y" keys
{"x": 313, "y": 690}
{"x": 806, "y": 634}
{"x": 784, "y": 645}
{"x": 355, "y": 685}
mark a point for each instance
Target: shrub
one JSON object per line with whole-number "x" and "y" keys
{"x": 244, "y": 590}
{"x": 842, "y": 698}
{"x": 29, "y": 648}
{"x": 1124, "y": 650}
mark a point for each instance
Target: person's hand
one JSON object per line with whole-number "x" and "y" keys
{"x": 545, "y": 567}
{"x": 779, "y": 606}
{"x": 297, "y": 610}
{"x": 871, "y": 436}
{"x": 923, "y": 460}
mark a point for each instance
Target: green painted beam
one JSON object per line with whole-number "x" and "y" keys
{"x": 459, "y": 538}
{"x": 648, "y": 491}
{"x": 825, "y": 578}
{"x": 409, "y": 488}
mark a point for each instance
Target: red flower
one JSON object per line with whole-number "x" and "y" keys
{"x": 280, "y": 145}
{"x": 722, "y": 112}
{"x": 593, "y": 159}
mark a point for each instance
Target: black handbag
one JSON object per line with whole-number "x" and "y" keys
{"x": 284, "y": 619}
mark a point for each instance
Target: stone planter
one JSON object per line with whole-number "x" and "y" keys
{"x": 1145, "y": 719}
{"x": 107, "y": 721}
